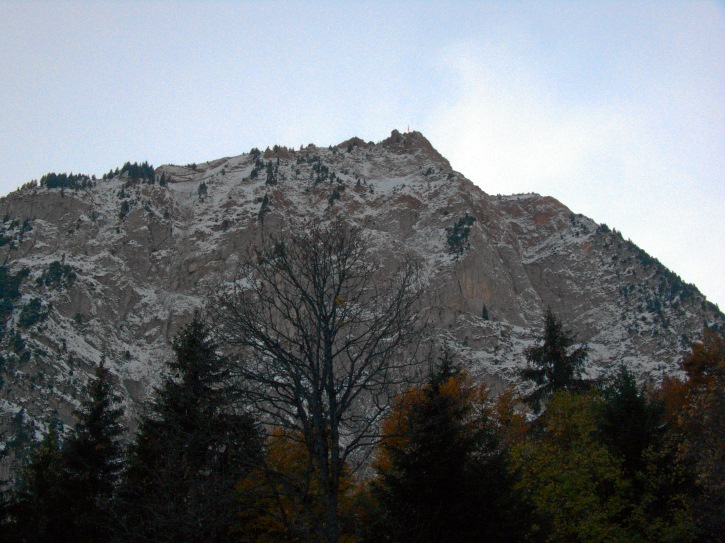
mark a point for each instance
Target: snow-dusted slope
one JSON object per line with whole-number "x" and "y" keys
{"x": 145, "y": 256}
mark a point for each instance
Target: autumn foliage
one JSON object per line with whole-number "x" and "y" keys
{"x": 622, "y": 461}
{"x": 281, "y": 498}
{"x": 441, "y": 472}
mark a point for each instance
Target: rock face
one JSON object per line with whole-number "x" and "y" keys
{"x": 137, "y": 258}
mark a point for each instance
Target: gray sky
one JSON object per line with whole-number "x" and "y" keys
{"x": 617, "y": 110}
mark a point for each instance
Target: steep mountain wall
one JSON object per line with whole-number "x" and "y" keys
{"x": 116, "y": 268}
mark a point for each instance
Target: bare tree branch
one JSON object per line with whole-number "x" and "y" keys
{"x": 322, "y": 335}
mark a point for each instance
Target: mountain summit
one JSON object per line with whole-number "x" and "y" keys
{"x": 114, "y": 267}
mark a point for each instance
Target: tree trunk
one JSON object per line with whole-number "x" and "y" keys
{"x": 331, "y": 528}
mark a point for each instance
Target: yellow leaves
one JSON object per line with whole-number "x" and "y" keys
{"x": 572, "y": 479}
{"x": 700, "y": 415}
{"x": 511, "y": 422}
{"x": 275, "y": 496}
{"x": 694, "y": 408}
{"x": 282, "y": 500}
{"x": 286, "y": 452}
{"x": 460, "y": 389}
{"x": 396, "y": 428}
{"x": 705, "y": 366}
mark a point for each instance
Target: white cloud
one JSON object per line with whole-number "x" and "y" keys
{"x": 641, "y": 160}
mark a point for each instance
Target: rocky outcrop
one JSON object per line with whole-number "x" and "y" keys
{"x": 144, "y": 256}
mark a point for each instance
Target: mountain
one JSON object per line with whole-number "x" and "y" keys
{"x": 114, "y": 267}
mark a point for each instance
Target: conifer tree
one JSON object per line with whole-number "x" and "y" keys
{"x": 629, "y": 421}
{"x": 93, "y": 459}
{"x": 66, "y": 490}
{"x": 35, "y": 510}
{"x": 553, "y": 366}
{"x": 190, "y": 451}
{"x": 441, "y": 470}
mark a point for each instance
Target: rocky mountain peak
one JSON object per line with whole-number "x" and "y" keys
{"x": 114, "y": 267}
{"x": 353, "y": 142}
{"x": 412, "y": 142}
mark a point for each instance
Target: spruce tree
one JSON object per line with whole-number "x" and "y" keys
{"x": 629, "y": 422}
{"x": 93, "y": 459}
{"x": 35, "y": 509}
{"x": 190, "y": 451}
{"x": 66, "y": 490}
{"x": 553, "y": 365}
{"x": 441, "y": 470}
{"x": 631, "y": 425}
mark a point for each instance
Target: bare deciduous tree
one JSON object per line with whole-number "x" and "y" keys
{"x": 321, "y": 334}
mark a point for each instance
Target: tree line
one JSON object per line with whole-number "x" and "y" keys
{"x": 297, "y": 409}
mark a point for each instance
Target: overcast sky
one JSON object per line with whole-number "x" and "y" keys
{"x": 617, "y": 109}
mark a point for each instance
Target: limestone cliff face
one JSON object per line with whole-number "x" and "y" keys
{"x": 144, "y": 256}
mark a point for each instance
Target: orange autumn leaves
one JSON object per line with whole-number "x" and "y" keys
{"x": 569, "y": 474}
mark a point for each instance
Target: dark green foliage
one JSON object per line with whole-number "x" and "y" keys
{"x": 190, "y": 451}
{"x": 258, "y": 167}
{"x": 458, "y": 235}
{"x": 336, "y": 194}
{"x": 65, "y": 181}
{"x": 264, "y": 209}
{"x": 9, "y": 293}
{"x": 66, "y": 489}
{"x": 553, "y": 366}
{"x": 16, "y": 341}
{"x": 135, "y": 171}
{"x": 32, "y": 313}
{"x": 202, "y": 190}
{"x": 10, "y": 283}
{"x": 57, "y": 275}
{"x": 320, "y": 172}
{"x": 35, "y": 511}
{"x": 125, "y": 208}
{"x": 20, "y": 436}
{"x": 93, "y": 459}
{"x": 632, "y": 426}
{"x": 5, "y": 240}
{"x": 484, "y": 315}
{"x": 448, "y": 481}
{"x": 629, "y": 421}
{"x": 271, "y": 174}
